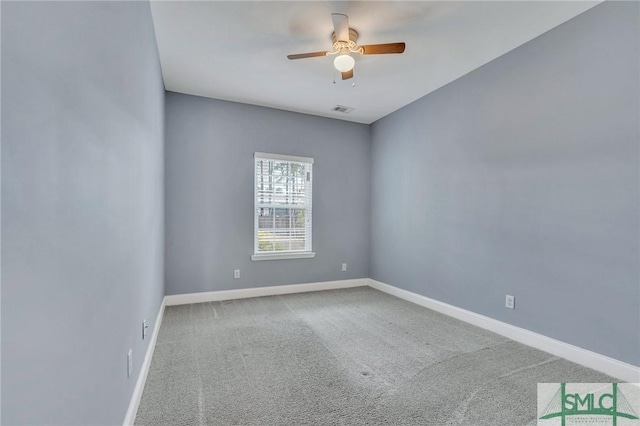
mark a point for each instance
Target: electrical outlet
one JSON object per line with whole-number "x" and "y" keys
{"x": 129, "y": 363}
{"x": 344, "y": 267}
{"x": 144, "y": 329}
{"x": 510, "y": 302}
{"x": 236, "y": 273}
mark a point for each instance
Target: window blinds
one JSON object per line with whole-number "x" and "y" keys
{"x": 282, "y": 204}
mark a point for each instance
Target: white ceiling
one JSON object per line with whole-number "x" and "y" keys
{"x": 237, "y": 50}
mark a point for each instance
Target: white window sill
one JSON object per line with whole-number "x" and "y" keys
{"x": 283, "y": 256}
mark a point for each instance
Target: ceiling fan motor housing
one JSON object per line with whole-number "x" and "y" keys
{"x": 340, "y": 45}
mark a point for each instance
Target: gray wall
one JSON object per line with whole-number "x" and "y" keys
{"x": 522, "y": 178}
{"x": 209, "y": 194}
{"x": 82, "y": 207}
{"x": 519, "y": 178}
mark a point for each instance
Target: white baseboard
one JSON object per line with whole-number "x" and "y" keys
{"x": 144, "y": 370}
{"x": 243, "y": 293}
{"x": 610, "y": 366}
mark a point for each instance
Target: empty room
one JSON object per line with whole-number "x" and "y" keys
{"x": 320, "y": 213}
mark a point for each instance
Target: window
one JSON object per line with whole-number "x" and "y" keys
{"x": 282, "y": 200}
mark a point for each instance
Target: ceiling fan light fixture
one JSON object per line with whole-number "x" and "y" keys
{"x": 344, "y": 63}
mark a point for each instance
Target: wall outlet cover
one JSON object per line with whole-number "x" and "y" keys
{"x": 510, "y": 302}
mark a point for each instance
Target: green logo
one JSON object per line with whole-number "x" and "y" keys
{"x": 565, "y": 404}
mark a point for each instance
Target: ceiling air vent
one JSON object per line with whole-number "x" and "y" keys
{"x": 341, "y": 108}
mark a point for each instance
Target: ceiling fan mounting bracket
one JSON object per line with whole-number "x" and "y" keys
{"x": 339, "y": 46}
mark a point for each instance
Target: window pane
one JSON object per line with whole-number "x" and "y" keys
{"x": 282, "y": 231}
{"x": 298, "y": 216}
{"x": 280, "y": 182}
{"x": 265, "y": 218}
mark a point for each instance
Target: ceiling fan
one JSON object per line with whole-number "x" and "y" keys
{"x": 345, "y": 43}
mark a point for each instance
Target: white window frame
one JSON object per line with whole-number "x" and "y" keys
{"x": 288, "y": 254}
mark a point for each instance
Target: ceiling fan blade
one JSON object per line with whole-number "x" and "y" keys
{"x": 379, "y": 49}
{"x": 341, "y": 26}
{"x": 347, "y": 74}
{"x": 307, "y": 55}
